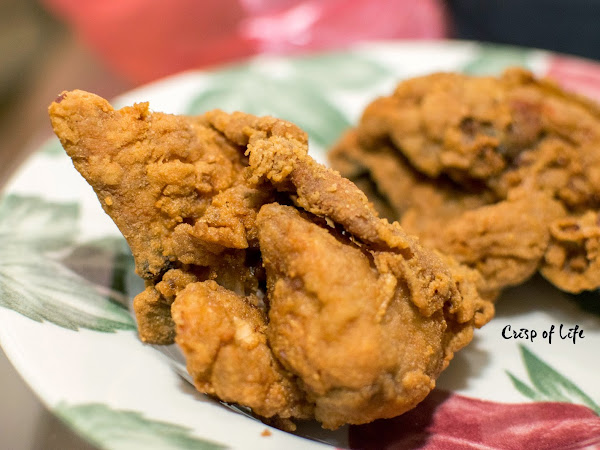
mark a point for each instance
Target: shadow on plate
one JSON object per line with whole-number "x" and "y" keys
{"x": 537, "y": 294}
{"x": 466, "y": 365}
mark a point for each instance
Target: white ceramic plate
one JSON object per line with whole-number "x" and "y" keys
{"x": 66, "y": 278}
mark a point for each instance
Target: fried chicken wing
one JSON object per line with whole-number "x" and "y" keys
{"x": 484, "y": 169}
{"x": 285, "y": 290}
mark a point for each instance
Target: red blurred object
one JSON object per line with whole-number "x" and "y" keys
{"x": 576, "y": 75}
{"x": 147, "y": 39}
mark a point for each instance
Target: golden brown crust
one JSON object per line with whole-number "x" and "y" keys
{"x": 350, "y": 322}
{"x": 174, "y": 186}
{"x": 152, "y": 306}
{"x": 223, "y": 338}
{"x": 480, "y": 166}
{"x": 197, "y": 200}
{"x": 572, "y": 260}
{"x": 153, "y": 173}
{"x": 505, "y": 241}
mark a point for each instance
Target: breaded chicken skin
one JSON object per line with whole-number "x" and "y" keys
{"x": 344, "y": 319}
{"x": 284, "y": 289}
{"x": 487, "y": 170}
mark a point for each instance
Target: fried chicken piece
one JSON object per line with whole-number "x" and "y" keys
{"x": 480, "y": 167}
{"x": 427, "y": 290}
{"x": 223, "y": 338}
{"x": 174, "y": 185}
{"x": 227, "y": 267}
{"x": 572, "y": 259}
{"x": 473, "y": 128}
{"x": 505, "y": 241}
{"x": 400, "y": 186}
{"x": 349, "y": 323}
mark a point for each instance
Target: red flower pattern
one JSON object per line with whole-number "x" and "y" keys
{"x": 447, "y": 421}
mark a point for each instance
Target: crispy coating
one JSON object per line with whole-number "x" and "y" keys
{"x": 345, "y": 319}
{"x": 223, "y": 337}
{"x": 153, "y": 173}
{"x": 473, "y": 128}
{"x": 153, "y": 306}
{"x": 400, "y": 186}
{"x": 504, "y": 241}
{"x": 572, "y": 259}
{"x": 484, "y": 169}
{"x": 279, "y": 281}
{"x": 175, "y": 187}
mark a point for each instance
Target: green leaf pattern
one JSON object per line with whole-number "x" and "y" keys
{"x": 53, "y": 148}
{"x": 129, "y": 430}
{"x": 548, "y": 383}
{"x": 37, "y": 225}
{"x": 36, "y": 284}
{"x": 524, "y": 389}
{"x": 493, "y": 60}
{"x": 303, "y": 91}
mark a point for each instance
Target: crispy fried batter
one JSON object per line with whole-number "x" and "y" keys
{"x": 153, "y": 173}
{"x": 572, "y": 259}
{"x": 174, "y": 185}
{"x": 484, "y": 168}
{"x": 350, "y": 323}
{"x": 223, "y": 337}
{"x": 505, "y": 241}
{"x": 320, "y": 309}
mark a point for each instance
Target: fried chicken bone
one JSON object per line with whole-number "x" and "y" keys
{"x": 276, "y": 277}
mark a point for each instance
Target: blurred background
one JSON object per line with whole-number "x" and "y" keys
{"x": 110, "y": 46}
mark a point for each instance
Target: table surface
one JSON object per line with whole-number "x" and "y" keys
{"x": 54, "y": 63}
{"x": 25, "y": 424}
